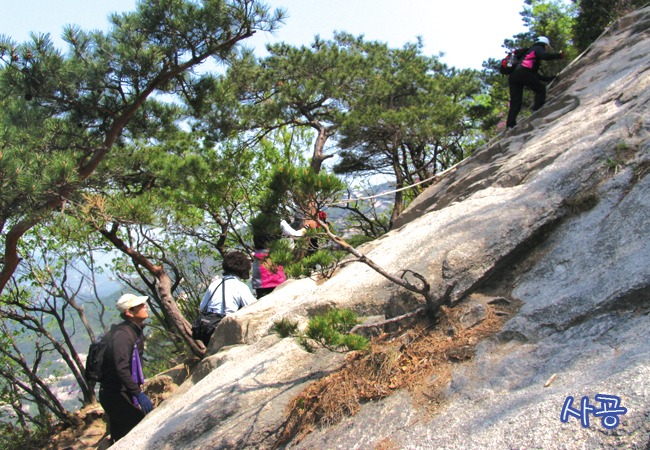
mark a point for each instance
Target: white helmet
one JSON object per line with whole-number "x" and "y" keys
{"x": 544, "y": 40}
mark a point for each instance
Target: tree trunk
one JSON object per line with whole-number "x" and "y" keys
{"x": 433, "y": 302}
{"x": 166, "y": 302}
{"x": 319, "y": 147}
{"x": 398, "y": 207}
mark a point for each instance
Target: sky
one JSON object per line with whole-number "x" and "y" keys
{"x": 467, "y": 31}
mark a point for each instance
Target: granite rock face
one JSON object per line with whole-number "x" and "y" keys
{"x": 558, "y": 208}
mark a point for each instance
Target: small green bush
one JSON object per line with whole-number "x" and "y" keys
{"x": 330, "y": 331}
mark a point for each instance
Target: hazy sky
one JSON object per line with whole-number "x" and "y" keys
{"x": 467, "y": 31}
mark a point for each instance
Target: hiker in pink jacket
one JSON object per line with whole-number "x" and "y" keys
{"x": 266, "y": 276}
{"x": 526, "y": 75}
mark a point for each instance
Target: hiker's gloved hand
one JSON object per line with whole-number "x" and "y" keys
{"x": 144, "y": 402}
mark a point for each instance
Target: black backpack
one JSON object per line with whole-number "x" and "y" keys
{"x": 95, "y": 361}
{"x": 512, "y": 60}
{"x": 205, "y": 322}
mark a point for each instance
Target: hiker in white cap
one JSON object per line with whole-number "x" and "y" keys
{"x": 120, "y": 394}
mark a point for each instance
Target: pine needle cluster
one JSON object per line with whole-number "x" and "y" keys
{"x": 330, "y": 331}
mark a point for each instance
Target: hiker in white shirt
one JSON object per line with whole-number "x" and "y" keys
{"x": 228, "y": 294}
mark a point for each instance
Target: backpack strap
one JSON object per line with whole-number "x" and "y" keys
{"x": 205, "y": 309}
{"x": 223, "y": 296}
{"x": 128, "y": 329}
{"x": 136, "y": 363}
{"x": 223, "y": 293}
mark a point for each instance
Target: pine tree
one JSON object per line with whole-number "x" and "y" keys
{"x": 68, "y": 117}
{"x": 408, "y": 117}
{"x": 294, "y": 87}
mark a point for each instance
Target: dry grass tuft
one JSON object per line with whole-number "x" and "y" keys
{"x": 387, "y": 444}
{"x": 641, "y": 170}
{"x": 420, "y": 360}
{"x": 582, "y": 203}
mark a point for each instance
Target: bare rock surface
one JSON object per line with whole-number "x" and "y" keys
{"x": 559, "y": 204}
{"x": 239, "y": 404}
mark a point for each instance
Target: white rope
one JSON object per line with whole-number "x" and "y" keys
{"x": 392, "y": 192}
{"x": 454, "y": 166}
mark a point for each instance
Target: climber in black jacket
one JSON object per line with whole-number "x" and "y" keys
{"x": 120, "y": 394}
{"x": 525, "y": 75}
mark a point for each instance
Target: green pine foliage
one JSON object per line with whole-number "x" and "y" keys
{"x": 407, "y": 116}
{"x": 553, "y": 19}
{"x": 594, "y": 16}
{"x": 329, "y": 330}
{"x": 68, "y": 118}
{"x": 298, "y": 191}
{"x": 298, "y": 88}
{"x": 284, "y": 328}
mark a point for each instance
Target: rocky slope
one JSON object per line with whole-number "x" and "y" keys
{"x": 554, "y": 214}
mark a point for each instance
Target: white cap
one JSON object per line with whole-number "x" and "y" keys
{"x": 544, "y": 40}
{"x": 128, "y": 301}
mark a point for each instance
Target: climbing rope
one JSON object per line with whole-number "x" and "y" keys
{"x": 392, "y": 192}
{"x": 498, "y": 136}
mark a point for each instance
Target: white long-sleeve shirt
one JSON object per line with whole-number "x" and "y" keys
{"x": 288, "y": 231}
{"x": 237, "y": 295}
